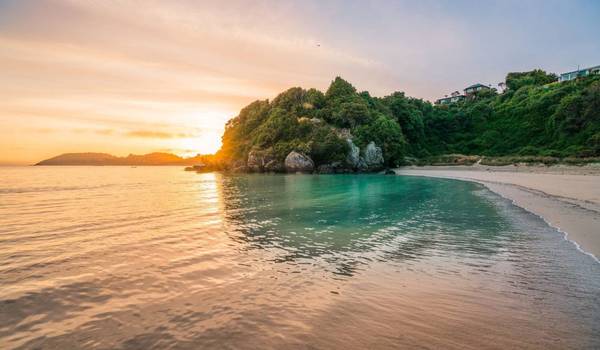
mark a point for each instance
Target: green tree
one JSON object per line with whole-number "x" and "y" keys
{"x": 340, "y": 89}
{"x": 387, "y": 134}
{"x": 516, "y": 80}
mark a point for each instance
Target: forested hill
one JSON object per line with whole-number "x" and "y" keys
{"x": 90, "y": 158}
{"x": 535, "y": 115}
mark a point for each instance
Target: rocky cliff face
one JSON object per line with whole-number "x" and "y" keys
{"x": 274, "y": 166}
{"x": 373, "y": 157}
{"x": 255, "y": 161}
{"x": 298, "y": 163}
{"x": 353, "y": 157}
{"x": 369, "y": 159}
{"x": 263, "y": 161}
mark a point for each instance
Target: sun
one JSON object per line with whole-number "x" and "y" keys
{"x": 208, "y": 127}
{"x": 208, "y": 142}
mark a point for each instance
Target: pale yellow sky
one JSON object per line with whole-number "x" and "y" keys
{"x": 137, "y": 76}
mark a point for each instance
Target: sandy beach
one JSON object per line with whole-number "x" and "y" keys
{"x": 566, "y": 197}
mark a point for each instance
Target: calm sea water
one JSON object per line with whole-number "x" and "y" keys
{"x": 159, "y": 258}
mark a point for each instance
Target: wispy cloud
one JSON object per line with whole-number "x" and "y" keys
{"x": 104, "y": 131}
{"x": 93, "y": 130}
{"x": 158, "y": 134}
{"x": 138, "y": 83}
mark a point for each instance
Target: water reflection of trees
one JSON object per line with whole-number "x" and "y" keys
{"x": 345, "y": 222}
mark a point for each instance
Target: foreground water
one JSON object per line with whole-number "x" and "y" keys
{"x": 154, "y": 257}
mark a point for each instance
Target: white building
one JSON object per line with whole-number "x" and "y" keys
{"x": 579, "y": 73}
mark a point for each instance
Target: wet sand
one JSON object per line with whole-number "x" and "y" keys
{"x": 567, "y": 198}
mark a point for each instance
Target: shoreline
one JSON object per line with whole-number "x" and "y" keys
{"x": 566, "y": 198}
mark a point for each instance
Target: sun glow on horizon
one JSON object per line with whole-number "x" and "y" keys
{"x": 81, "y": 76}
{"x": 207, "y": 143}
{"x": 209, "y": 124}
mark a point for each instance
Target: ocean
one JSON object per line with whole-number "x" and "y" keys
{"x": 160, "y": 258}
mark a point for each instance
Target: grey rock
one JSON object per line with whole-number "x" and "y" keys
{"x": 370, "y": 159}
{"x": 274, "y": 166}
{"x": 362, "y": 165}
{"x": 296, "y": 162}
{"x": 353, "y": 157}
{"x": 258, "y": 159}
{"x": 255, "y": 161}
{"x": 373, "y": 157}
{"x": 325, "y": 169}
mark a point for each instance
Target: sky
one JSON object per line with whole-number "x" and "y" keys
{"x": 136, "y": 77}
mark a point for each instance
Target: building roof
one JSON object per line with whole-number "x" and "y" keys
{"x": 579, "y": 70}
{"x": 476, "y": 86}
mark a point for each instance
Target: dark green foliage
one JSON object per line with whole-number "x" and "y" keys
{"x": 307, "y": 121}
{"x": 516, "y": 80}
{"x": 235, "y": 142}
{"x": 535, "y": 117}
{"x": 340, "y": 89}
{"x": 350, "y": 114}
{"x": 313, "y": 123}
{"x": 386, "y": 133}
{"x": 326, "y": 146}
{"x": 409, "y": 113}
{"x": 315, "y": 98}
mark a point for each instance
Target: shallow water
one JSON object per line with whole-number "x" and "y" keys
{"x": 155, "y": 257}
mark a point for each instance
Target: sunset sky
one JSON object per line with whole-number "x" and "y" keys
{"x": 141, "y": 76}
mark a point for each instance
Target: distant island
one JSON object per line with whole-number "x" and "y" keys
{"x": 535, "y": 118}
{"x": 89, "y": 158}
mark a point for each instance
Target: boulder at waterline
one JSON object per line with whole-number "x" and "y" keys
{"x": 296, "y": 162}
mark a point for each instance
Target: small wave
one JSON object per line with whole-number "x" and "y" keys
{"x": 539, "y": 193}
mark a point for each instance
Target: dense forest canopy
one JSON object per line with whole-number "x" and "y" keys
{"x": 535, "y": 115}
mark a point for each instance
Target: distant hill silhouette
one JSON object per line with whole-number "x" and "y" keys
{"x": 156, "y": 158}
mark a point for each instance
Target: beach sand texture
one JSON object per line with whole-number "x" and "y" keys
{"x": 567, "y": 198}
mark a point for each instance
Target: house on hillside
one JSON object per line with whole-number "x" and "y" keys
{"x": 470, "y": 90}
{"x": 456, "y": 96}
{"x": 453, "y": 98}
{"x": 579, "y": 73}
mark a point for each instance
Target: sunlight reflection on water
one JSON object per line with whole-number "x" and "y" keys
{"x": 154, "y": 257}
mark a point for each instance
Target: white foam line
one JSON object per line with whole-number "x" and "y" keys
{"x": 565, "y": 233}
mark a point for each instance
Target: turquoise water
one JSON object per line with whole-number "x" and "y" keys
{"x": 155, "y": 257}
